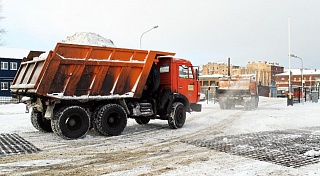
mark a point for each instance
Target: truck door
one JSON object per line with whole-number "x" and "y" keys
{"x": 188, "y": 84}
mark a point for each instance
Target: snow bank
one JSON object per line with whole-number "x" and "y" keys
{"x": 312, "y": 153}
{"x": 88, "y": 38}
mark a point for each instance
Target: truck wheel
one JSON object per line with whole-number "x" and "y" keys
{"x": 111, "y": 120}
{"x": 40, "y": 123}
{"x": 256, "y": 102}
{"x": 248, "y": 106}
{"x": 221, "y": 104}
{"x": 228, "y": 105}
{"x": 94, "y": 117}
{"x": 142, "y": 121}
{"x": 177, "y": 117}
{"x": 71, "y": 122}
{"x": 253, "y": 103}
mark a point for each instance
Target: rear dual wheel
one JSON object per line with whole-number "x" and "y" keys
{"x": 39, "y": 122}
{"x": 222, "y": 105}
{"x": 71, "y": 122}
{"x": 111, "y": 120}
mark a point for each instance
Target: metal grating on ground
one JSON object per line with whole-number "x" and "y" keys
{"x": 289, "y": 148}
{"x": 15, "y": 144}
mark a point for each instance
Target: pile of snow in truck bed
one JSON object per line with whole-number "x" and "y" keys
{"x": 82, "y": 38}
{"x": 88, "y": 38}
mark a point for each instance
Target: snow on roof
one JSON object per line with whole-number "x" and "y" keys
{"x": 88, "y": 38}
{"x": 298, "y": 72}
{"x": 13, "y": 53}
{"x": 211, "y": 76}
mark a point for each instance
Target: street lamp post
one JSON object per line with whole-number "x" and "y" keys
{"x": 289, "y": 98}
{"x": 292, "y": 55}
{"x": 146, "y": 32}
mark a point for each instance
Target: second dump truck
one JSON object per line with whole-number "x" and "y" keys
{"x": 78, "y": 87}
{"x": 238, "y": 90}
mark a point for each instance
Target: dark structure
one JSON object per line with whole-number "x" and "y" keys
{"x": 8, "y": 70}
{"x": 10, "y": 59}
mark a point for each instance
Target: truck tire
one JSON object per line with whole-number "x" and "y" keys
{"x": 40, "y": 123}
{"x": 248, "y": 106}
{"x": 94, "y": 118}
{"x": 111, "y": 120}
{"x": 71, "y": 122}
{"x": 253, "y": 103}
{"x": 177, "y": 117}
{"x": 142, "y": 121}
{"x": 228, "y": 105}
{"x": 222, "y": 103}
{"x": 256, "y": 102}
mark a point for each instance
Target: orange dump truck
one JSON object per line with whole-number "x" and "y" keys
{"x": 238, "y": 90}
{"x": 78, "y": 87}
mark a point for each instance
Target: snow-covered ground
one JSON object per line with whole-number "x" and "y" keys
{"x": 154, "y": 149}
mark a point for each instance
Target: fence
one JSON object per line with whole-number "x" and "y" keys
{"x": 5, "y": 98}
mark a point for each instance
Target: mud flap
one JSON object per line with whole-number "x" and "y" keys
{"x": 196, "y": 107}
{"x": 49, "y": 112}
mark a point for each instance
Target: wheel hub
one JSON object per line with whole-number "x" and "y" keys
{"x": 71, "y": 122}
{"x": 111, "y": 120}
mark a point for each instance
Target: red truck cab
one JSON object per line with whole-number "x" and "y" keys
{"x": 181, "y": 77}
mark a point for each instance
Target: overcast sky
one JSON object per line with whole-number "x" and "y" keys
{"x": 201, "y": 31}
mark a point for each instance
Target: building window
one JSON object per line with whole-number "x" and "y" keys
{"x": 4, "y": 65}
{"x": 13, "y": 65}
{"x": 282, "y": 79}
{"x": 4, "y": 86}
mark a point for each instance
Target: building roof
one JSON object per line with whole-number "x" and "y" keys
{"x": 211, "y": 76}
{"x": 13, "y": 53}
{"x": 298, "y": 72}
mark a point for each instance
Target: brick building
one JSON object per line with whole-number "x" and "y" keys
{"x": 311, "y": 79}
{"x": 265, "y": 72}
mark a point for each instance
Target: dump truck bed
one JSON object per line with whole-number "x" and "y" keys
{"x": 85, "y": 72}
{"x": 239, "y": 83}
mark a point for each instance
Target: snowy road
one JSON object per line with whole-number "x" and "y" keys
{"x": 154, "y": 149}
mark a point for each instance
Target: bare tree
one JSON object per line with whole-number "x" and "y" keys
{"x": 2, "y": 30}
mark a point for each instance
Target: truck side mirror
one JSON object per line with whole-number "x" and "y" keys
{"x": 197, "y": 74}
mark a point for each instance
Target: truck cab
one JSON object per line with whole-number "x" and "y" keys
{"x": 181, "y": 77}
